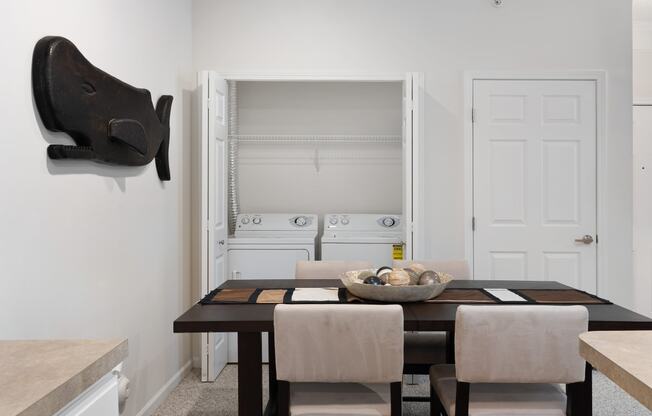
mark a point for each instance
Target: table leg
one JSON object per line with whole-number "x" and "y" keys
{"x": 250, "y": 374}
{"x": 588, "y": 390}
{"x": 450, "y": 347}
{"x": 579, "y": 396}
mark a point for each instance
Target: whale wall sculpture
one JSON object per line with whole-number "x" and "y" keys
{"x": 109, "y": 120}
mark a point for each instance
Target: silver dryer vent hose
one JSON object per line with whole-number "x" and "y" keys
{"x": 232, "y": 188}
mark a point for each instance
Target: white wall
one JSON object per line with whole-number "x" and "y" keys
{"x": 642, "y": 50}
{"x": 443, "y": 39}
{"x": 92, "y": 251}
{"x": 347, "y": 177}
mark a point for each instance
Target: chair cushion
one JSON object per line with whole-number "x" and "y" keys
{"x": 459, "y": 269}
{"x": 487, "y": 399}
{"x": 424, "y": 348}
{"x": 339, "y": 398}
{"x": 329, "y": 269}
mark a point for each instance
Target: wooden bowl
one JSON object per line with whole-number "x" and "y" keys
{"x": 393, "y": 294}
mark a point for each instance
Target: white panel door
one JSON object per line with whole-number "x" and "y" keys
{"x": 534, "y": 181}
{"x": 214, "y": 134}
{"x": 642, "y": 209}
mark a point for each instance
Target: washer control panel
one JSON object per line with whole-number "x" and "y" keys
{"x": 362, "y": 222}
{"x": 275, "y": 222}
{"x": 301, "y": 221}
{"x": 246, "y": 219}
{"x": 337, "y": 219}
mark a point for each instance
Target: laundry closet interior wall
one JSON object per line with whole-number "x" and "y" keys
{"x": 319, "y": 146}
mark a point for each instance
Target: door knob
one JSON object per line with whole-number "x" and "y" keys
{"x": 221, "y": 242}
{"x": 587, "y": 239}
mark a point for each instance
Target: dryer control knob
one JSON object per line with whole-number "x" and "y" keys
{"x": 388, "y": 221}
{"x": 345, "y": 221}
{"x": 256, "y": 220}
{"x": 245, "y": 220}
{"x": 333, "y": 220}
{"x": 300, "y": 221}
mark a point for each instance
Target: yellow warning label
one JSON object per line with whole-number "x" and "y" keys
{"x": 397, "y": 251}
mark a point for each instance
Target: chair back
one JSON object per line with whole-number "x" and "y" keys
{"x": 519, "y": 343}
{"x": 339, "y": 343}
{"x": 331, "y": 269}
{"x": 459, "y": 269}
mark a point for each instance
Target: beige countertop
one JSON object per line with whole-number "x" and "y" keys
{"x": 623, "y": 356}
{"x": 41, "y": 377}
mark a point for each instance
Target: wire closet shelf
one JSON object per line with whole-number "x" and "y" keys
{"x": 314, "y": 139}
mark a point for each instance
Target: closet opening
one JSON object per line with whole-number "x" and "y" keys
{"x": 315, "y": 147}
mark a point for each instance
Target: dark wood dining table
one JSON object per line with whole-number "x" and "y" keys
{"x": 251, "y": 320}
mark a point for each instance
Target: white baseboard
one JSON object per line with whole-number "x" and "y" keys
{"x": 196, "y": 362}
{"x": 164, "y": 391}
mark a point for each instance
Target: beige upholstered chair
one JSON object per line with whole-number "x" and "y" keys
{"x": 459, "y": 269}
{"x": 517, "y": 355}
{"x": 339, "y": 359}
{"x": 331, "y": 269}
{"x": 427, "y": 348}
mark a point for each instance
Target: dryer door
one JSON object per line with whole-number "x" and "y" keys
{"x": 378, "y": 254}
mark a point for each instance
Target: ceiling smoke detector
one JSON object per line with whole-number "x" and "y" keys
{"x": 497, "y": 3}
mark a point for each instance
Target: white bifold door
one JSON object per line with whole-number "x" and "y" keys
{"x": 411, "y": 166}
{"x": 534, "y": 181}
{"x": 213, "y": 134}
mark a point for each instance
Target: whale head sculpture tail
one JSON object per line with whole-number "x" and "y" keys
{"x": 109, "y": 120}
{"x": 163, "y": 107}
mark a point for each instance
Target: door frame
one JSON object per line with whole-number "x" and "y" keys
{"x": 600, "y": 77}
{"x": 644, "y": 307}
{"x": 418, "y": 79}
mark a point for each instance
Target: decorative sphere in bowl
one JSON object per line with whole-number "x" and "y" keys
{"x": 414, "y": 275}
{"x": 383, "y": 273}
{"x": 418, "y": 268}
{"x": 373, "y": 280}
{"x": 429, "y": 277}
{"x": 398, "y": 278}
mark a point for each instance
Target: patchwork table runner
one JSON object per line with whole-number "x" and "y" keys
{"x": 341, "y": 295}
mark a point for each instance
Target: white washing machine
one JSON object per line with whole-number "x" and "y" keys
{"x": 373, "y": 237}
{"x": 267, "y": 246}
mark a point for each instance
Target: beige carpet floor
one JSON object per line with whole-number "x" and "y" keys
{"x": 194, "y": 398}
